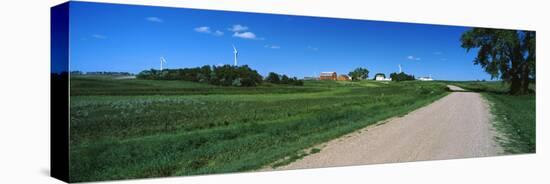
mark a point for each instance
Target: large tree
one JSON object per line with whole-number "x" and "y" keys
{"x": 359, "y": 74}
{"x": 273, "y": 78}
{"x": 401, "y": 76}
{"x": 505, "y": 54}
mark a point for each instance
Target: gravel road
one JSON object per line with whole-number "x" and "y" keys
{"x": 456, "y": 126}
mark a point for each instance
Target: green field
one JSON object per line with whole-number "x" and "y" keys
{"x": 514, "y": 116}
{"x": 122, "y": 129}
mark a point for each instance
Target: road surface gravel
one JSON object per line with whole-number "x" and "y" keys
{"x": 456, "y": 126}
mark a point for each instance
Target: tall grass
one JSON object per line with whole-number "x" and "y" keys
{"x": 131, "y": 135}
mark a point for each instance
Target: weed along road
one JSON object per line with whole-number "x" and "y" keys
{"x": 456, "y": 126}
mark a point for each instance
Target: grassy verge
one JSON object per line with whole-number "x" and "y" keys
{"x": 514, "y": 116}
{"x": 122, "y": 134}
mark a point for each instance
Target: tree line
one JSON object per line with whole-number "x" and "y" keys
{"x": 401, "y": 77}
{"x": 276, "y": 78}
{"x": 78, "y": 72}
{"x": 359, "y": 74}
{"x": 226, "y": 75}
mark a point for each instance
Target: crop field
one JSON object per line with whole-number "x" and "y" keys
{"x": 122, "y": 129}
{"x": 514, "y": 116}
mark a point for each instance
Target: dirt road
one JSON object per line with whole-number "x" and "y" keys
{"x": 456, "y": 126}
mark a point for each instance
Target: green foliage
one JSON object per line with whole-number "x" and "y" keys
{"x": 275, "y": 78}
{"x": 505, "y": 54}
{"x": 401, "y": 77}
{"x": 225, "y": 75}
{"x": 218, "y": 129}
{"x": 359, "y": 74}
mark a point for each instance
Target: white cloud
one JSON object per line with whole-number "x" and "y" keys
{"x": 245, "y": 35}
{"x": 272, "y": 46}
{"x": 99, "y": 36}
{"x": 238, "y": 28}
{"x": 217, "y": 33}
{"x": 203, "y": 29}
{"x": 207, "y": 30}
{"x": 413, "y": 58}
{"x": 154, "y": 19}
{"x": 241, "y": 31}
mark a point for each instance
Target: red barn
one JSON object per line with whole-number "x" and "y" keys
{"x": 328, "y": 76}
{"x": 343, "y": 78}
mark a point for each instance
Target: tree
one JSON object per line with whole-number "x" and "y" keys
{"x": 205, "y": 74}
{"x": 401, "y": 77}
{"x": 359, "y": 74}
{"x": 248, "y": 76}
{"x": 273, "y": 77}
{"x": 225, "y": 75}
{"x": 505, "y": 54}
{"x": 285, "y": 79}
{"x": 149, "y": 74}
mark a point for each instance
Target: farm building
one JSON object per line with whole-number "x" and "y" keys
{"x": 328, "y": 76}
{"x": 426, "y": 78}
{"x": 343, "y": 78}
{"x": 381, "y": 77}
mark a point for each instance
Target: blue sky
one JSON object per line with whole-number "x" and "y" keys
{"x": 110, "y": 37}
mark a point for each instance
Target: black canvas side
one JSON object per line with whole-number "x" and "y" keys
{"x": 59, "y": 92}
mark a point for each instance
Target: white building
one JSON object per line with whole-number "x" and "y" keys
{"x": 426, "y": 78}
{"x": 380, "y": 77}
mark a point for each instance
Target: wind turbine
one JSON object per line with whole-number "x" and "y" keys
{"x": 236, "y": 53}
{"x": 399, "y": 65}
{"x": 162, "y": 60}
